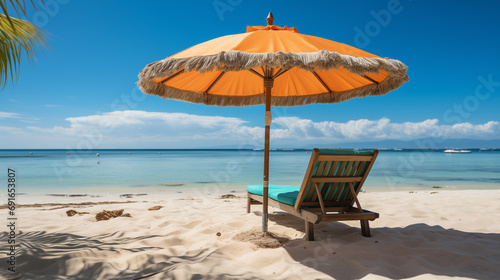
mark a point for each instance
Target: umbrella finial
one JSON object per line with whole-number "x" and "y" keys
{"x": 270, "y": 19}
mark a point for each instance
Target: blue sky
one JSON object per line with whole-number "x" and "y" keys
{"x": 88, "y": 75}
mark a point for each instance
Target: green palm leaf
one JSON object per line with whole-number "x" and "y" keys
{"x": 17, "y": 37}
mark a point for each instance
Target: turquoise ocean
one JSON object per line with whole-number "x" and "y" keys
{"x": 146, "y": 171}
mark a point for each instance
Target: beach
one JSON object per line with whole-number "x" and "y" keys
{"x": 422, "y": 234}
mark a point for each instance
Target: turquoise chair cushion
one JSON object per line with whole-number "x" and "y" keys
{"x": 282, "y": 193}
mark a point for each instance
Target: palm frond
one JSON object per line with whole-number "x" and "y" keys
{"x": 17, "y": 6}
{"x": 17, "y": 37}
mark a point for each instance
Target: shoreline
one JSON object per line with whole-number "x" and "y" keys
{"x": 214, "y": 189}
{"x": 82, "y": 200}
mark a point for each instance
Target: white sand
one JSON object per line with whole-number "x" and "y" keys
{"x": 419, "y": 235}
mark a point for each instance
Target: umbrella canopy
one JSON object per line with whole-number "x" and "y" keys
{"x": 319, "y": 70}
{"x": 271, "y": 65}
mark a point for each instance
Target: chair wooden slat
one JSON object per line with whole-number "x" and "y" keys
{"x": 311, "y": 191}
{"x": 351, "y": 172}
{"x": 333, "y": 192}
{"x": 336, "y": 179}
{"x": 341, "y": 192}
{"x": 326, "y": 185}
{"x": 322, "y": 171}
{"x": 341, "y": 186}
{"x": 360, "y": 167}
{"x": 330, "y": 187}
{"x": 344, "y": 157}
{"x": 321, "y": 167}
{"x": 348, "y": 168}
{"x": 354, "y": 168}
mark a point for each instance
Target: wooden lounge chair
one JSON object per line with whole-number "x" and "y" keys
{"x": 329, "y": 191}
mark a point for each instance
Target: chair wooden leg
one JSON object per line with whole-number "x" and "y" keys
{"x": 249, "y": 202}
{"x": 365, "y": 228}
{"x": 309, "y": 231}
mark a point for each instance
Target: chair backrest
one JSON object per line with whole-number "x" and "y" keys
{"x": 333, "y": 172}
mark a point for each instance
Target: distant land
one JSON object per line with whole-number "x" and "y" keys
{"x": 426, "y": 143}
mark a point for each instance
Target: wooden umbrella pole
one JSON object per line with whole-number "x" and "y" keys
{"x": 268, "y": 85}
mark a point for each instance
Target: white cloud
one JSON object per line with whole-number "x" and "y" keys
{"x": 7, "y": 115}
{"x": 11, "y": 130}
{"x": 156, "y": 127}
{"x": 16, "y": 116}
{"x": 382, "y": 129}
{"x": 141, "y": 129}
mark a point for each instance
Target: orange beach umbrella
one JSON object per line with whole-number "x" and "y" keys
{"x": 271, "y": 65}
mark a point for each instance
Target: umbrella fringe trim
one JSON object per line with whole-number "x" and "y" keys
{"x": 237, "y": 61}
{"x": 153, "y": 88}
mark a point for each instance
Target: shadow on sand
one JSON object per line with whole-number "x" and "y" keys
{"x": 342, "y": 253}
{"x": 339, "y": 252}
{"x": 68, "y": 256}
{"x": 44, "y": 255}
